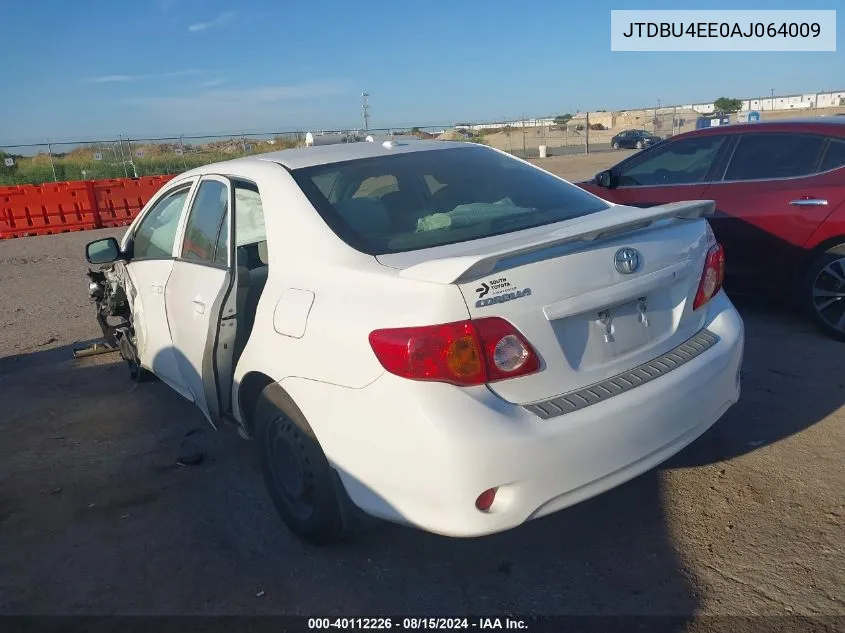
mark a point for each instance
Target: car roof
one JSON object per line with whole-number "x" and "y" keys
{"x": 819, "y": 123}
{"x": 326, "y": 154}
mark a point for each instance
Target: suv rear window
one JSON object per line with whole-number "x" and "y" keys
{"x": 423, "y": 199}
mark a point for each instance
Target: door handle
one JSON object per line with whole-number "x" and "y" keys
{"x": 809, "y": 202}
{"x": 199, "y": 306}
{"x": 157, "y": 288}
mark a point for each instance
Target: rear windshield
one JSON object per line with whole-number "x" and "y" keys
{"x": 406, "y": 202}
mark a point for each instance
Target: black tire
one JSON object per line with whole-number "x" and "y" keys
{"x": 615, "y": 145}
{"x": 822, "y": 282}
{"x": 299, "y": 478}
{"x": 639, "y": 144}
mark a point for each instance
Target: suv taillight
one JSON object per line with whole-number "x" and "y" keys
{"x": 712, "y": 277}
{"x": 464, "y": 353}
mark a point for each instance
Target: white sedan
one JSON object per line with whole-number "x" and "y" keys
{"x": 442, "y": 334}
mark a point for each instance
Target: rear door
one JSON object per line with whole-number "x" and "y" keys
{"x": 673, "y": 171}
{"x": 199, "y": 295}
{"x": 777, "y": 189}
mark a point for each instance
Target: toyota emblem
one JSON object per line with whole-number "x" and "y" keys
{"x": 627, "y": 260}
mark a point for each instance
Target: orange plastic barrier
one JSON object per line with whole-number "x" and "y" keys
{"x": 74, "y": 206}
{"x": 45, "y": 209}
{"x": 119, "y": 201}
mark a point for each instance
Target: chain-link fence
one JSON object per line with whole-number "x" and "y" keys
{"x": 577, "y": 134}
{"x": 134, "y": 157}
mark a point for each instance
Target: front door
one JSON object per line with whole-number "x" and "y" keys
{"x": 198, "y": 291}
{"x": 152, "y": 249}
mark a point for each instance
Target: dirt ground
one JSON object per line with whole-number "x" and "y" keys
{"x": 97, "y": 518}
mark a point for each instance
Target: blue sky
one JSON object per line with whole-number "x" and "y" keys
{"x": 99, "y": 68}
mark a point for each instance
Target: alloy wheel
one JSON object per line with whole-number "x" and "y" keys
{"x": 829, "y": 294}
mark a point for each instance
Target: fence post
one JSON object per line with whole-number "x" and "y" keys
{"x": 524, "y": 150}
{"x": 52, "y": 166}
{"x": 131, "y": 158}
{"x": 587, "y": 137}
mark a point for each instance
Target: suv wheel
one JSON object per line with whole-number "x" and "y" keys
{"x": 824, "y": 291}
{"x": 298, "y": 476}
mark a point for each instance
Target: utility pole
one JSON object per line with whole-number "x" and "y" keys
{"x": 365, "y": 106}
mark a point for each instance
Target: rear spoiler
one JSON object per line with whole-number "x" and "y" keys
{"x": 609, "y": 223}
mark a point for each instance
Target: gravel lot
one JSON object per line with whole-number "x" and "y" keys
{"x": 96, "y": 518}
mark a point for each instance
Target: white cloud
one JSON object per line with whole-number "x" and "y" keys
{"x": 211, "y": 83}
{"x": 218, "y": 109}
{"x": 220, "y": 20}
{"x": 128, "y": 78}
{"x": 246, "y": 96}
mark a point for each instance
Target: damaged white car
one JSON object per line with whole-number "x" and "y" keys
{"x": 435, "y": 333}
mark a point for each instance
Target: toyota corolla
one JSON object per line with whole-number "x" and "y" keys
{"x": 435, "y": 333}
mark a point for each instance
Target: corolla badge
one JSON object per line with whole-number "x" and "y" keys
{"x": 627, "y": 260}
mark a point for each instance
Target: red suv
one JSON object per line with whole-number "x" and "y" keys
{"x": 779, "y": 188}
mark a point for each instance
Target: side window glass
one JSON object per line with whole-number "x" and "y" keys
{"x": 249, "y": 215}
{"x": 156, "y": 234}
{"x": 834, "y": 156}
{"x": 677, "y": 163}
{"x": 206, "y": 222}
{"x": 761, "y": 156}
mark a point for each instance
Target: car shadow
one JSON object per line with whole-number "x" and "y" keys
{"x": 101, "y": 511}
{"x": 792, "y": 377}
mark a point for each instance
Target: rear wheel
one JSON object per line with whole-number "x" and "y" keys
{"x": 615, "y": 145}
{"x": 824, "y": 291}
{"x": 298, "y": 476}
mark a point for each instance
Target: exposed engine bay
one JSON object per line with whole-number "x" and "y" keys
{"x": 112, "y": 291}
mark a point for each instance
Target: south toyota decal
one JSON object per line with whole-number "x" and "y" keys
{"x": 499, "y": 291}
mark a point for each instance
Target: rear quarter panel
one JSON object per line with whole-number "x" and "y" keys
{"x": 831, "y": 231}
{"x": 353, "y": 295}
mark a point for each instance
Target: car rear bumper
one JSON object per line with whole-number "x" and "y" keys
{"x": 421, "y": 453}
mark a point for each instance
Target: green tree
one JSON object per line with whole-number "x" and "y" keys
{"x": 727, "y": 105}
{"x": 563, "y": 119}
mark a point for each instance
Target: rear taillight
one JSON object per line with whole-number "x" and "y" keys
{"x": 712, "y": 277}
{"x": 463, "y": 353}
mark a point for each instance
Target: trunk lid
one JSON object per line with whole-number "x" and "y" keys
{"x": 587, "y": 318}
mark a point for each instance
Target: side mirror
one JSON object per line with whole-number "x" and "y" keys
{"x": 102, "y": 251}
{"x": 604, "y": 178}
